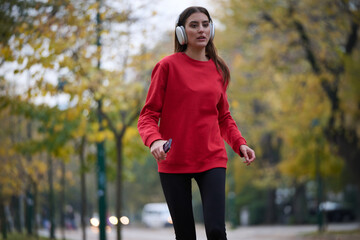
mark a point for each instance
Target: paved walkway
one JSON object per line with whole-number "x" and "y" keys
{"x": 248, "y": 233}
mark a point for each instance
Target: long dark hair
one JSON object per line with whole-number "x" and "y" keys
{"x": 210, "y": 49}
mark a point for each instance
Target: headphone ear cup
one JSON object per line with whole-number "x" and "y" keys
{"x": 212, "y": 30}
{"x": 181, "y": 35}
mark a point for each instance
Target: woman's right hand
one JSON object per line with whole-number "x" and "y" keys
{"x": 157, "y": 150}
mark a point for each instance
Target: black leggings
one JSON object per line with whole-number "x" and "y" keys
{"x": 177, "y": 191}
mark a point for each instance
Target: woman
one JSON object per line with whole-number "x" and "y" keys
{"x": 188, "y": 95}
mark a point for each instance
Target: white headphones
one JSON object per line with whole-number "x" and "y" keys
{"x": 181, "y": 34}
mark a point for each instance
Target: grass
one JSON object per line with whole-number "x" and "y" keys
{"x": 333, "y": 235}
{"x": 18, "y": 236}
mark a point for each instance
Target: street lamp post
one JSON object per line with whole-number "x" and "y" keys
{"x": 101, "y": 182}
{"x": 100, "y": 145}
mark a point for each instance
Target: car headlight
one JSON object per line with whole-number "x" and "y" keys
{"x": 94, "y": 222}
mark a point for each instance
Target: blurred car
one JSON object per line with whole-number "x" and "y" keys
{"x": 156, "y": 215}
{"x": 337, "y": 212}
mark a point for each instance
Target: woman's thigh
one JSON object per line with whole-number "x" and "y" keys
{"x": 177, "y": 191}
{"x": 212, "y": 189}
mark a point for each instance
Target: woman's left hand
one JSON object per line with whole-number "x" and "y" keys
{"x": 248, "y": 153}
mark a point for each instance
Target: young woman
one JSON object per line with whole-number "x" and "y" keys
{"x": 188, "y": 95}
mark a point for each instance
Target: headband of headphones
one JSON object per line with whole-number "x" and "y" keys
{"x": 178, "y": 19}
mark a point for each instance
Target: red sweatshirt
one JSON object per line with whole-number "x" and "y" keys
{"x": 189, "y": 99}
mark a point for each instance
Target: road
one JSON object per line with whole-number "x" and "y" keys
{"x": 248, "y": 233}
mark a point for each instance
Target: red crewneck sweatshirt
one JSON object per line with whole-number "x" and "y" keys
{"x": 189, "y": 99}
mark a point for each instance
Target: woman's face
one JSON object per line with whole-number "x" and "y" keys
{"x": 197, "y": 28}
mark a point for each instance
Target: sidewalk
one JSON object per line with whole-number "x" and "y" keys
{"x": 276, "y": 232}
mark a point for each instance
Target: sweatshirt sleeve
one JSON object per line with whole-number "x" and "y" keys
{"x": 228, "y": 128}
{"x": 150, "y": 114}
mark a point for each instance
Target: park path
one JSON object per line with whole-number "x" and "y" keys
{"x": 275, "y": 232}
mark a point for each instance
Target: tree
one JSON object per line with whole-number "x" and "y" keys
{"x": 10, "y": 176}
{"x": 58, "y": 39}
{"x": 290, "y": 60}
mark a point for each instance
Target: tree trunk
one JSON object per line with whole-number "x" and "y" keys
{"x": 51, "y": 197}
{"x": 16, "y": 212}
{"x": 29, "y": 211}
{"x": 270, "y": 216}
{"x": 300, "y": 205}
{"x": 358, "y": 204}
{"x": 271, "y": 157}
{"x": 62, "y": 200}
{"x": 119, "y": 155}
{"x": 83, "y": 187}
{"x": 36, "y": 194}
{"x": 29, "y": 197}
{"x": 3, "y": 219}
{"x": 344, "y": 137}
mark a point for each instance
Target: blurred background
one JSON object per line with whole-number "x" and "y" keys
{"x": 74, "y": 77}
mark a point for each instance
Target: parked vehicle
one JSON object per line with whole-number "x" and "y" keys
{"x": 337, "y": 212}
{"x": 156, "y": 215}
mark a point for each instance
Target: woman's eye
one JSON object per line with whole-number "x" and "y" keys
{"x": 193, "y": 25}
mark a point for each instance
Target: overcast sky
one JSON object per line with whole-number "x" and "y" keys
{"x": 169, "y": 10}
{"x": 167, "y": 14}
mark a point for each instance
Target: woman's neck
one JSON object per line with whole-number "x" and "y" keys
{"x": 197, "y": 54}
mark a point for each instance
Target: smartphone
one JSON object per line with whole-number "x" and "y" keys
{"x": 167, "y": 145}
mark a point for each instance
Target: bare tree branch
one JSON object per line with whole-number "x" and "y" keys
{"x": 310, "y": 56}
{"x": 107, "y": 118}
{"x": 266, "y": 16}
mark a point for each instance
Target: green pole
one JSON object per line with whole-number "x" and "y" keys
{"x": 101, "y": 183}
{"x": 100, "y": 145}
